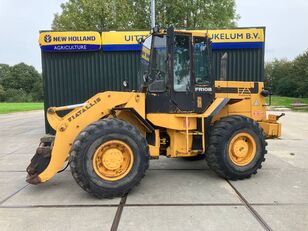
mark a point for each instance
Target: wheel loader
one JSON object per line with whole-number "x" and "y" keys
{"x": 180, "y": 111}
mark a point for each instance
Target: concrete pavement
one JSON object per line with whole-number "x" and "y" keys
{"x": 174, "y": 195}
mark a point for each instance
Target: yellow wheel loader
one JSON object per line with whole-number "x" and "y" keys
{"x": 179, "y": 111}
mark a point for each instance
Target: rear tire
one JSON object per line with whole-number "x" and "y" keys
{"x": 236, "y": 147}
{"x": 117, "y": 141}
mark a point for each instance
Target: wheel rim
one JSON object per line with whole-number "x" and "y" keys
{"x": 242, "y": 149}
{"x": 113, "y": 160}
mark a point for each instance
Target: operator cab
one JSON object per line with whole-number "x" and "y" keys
{"x": 175, "y": 72}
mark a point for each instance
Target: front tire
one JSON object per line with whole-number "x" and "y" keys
{"x": 109, "y": 157}
{"x": 236, "y": 147}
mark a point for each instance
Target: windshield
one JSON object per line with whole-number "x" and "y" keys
{"x": 153, "y": 61}
{"x": 145, "y": 60}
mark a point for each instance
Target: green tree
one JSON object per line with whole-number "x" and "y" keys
{"x": 20, "y": 83}
{"x": 131, "y": 14}
{"x": 88, "y": 15}
{"x": 197, "y": 13}
{"x": 300, "y": 72}
{"x": 288, "y": 78}
{"x": 22, "y": 76}
{"x": 4, "y": 71}
{"x": 37, "y": 91}
{"x": 279, "y": 74}
{"x": 17, "y": 95}
{"x": 2, "y": 94}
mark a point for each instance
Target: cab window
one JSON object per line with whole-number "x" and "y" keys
{"x": 159, "y": 65}
{"x": 201, "y": 61}
{"x": 181, "y": 63}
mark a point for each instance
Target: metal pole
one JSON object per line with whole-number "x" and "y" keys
{"x": 153, "y": 23}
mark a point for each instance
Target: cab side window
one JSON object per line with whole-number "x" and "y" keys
{"x": 201, "y": 61}
{"x": 181, "y": 63}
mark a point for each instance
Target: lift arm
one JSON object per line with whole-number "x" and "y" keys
{"x": 68, "y": 127}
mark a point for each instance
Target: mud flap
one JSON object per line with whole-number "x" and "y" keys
{"x": 40, "y": 160}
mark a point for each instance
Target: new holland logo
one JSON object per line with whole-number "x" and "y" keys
{"x": 47, "y": 38}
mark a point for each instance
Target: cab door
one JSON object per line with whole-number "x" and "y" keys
{"x": 180, "y": 50}
{"x": 203, "y": 79}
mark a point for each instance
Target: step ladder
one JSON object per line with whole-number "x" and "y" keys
{"x": 194, "y": 133}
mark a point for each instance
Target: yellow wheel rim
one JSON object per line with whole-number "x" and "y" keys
{"x": 242, "y": 149}
{"x": 113, "y": 160}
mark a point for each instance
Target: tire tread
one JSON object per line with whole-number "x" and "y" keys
{"x": 213, "y": 155}
{"x": 83, "y": 138}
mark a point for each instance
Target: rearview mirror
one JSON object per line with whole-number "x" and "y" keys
{"x": 140, "y": 40}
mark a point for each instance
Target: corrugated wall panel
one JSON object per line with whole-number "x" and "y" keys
{"x": 242, "y": 65}
{"x": 71, "y": 78}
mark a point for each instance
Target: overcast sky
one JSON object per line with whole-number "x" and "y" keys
{"x": 286, "y": 24}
